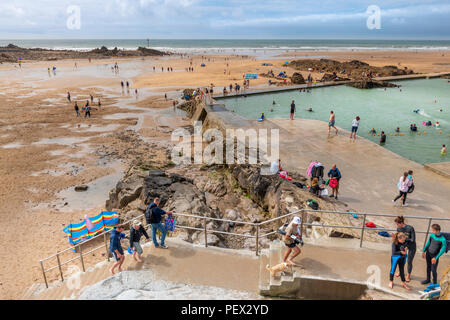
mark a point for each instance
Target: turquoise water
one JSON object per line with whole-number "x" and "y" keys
{"x": 378, "y": 108}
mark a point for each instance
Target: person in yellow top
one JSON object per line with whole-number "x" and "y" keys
{"x": 443, "y": 150}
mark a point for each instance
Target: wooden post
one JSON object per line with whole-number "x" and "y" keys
{"x": 106, "y": 246}
{"x": 43, "y": 273}
{"x": 59, "y": 266}
{"x": 257, "y": 240}
{"x": 81, "y": 257}
{"x": 428, "y": 232}
{"x": 206, "y": 235}
{"x": 362, "y": 231}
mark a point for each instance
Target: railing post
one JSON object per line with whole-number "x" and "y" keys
{"x": 428, "y": 232}
{"x": 302, "y": 223}
{"x": 362, "y": 231}
{"x": 257, "y": 240}
{"x": 43, "y": 273}
{"x": 106, "y": 246}
{"x": 81, "y": 257}
{"x": 59, "y": 266}
{"x": 206, "y": 234}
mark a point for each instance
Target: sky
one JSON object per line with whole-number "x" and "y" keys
{"x": 232, "y": 19}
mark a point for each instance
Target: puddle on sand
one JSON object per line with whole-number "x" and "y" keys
{"x": 95, "y": 128}
{"x": 13, "y": 145}
{"x": 63, "y": 141}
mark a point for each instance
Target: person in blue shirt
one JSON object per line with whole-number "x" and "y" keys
{"x": 153, "y": 216}
{"x": 115, "y": 247}
{"x": 335, "y": 174}
{"x": 433, "y": 250}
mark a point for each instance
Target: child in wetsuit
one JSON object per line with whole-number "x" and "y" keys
{"x": 398, "y": 258}
{"x": 433, "y": 250}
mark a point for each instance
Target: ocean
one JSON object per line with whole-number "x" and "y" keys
{"x": 240, "y": 46}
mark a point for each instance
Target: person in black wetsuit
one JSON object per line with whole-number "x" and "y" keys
{"x": 410, "y": 242}
{"x": 399, "y": 250}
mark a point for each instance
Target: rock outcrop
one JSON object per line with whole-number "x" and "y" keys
{"x": 370, "y": 84}
{"x": 238, "y": 192}
{"x": 13, "y": 53}
{"x": 297, "y": 78}
{"x": 351, "y": 69}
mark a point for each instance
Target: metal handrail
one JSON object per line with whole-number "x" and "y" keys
{"x": 256, "y": 225}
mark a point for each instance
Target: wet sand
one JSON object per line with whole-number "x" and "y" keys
{"x": 45, "y": 149}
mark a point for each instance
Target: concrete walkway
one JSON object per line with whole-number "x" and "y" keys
{"x": 181, "y": 263}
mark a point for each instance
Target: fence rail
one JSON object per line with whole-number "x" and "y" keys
{"x": 205, "y": 230}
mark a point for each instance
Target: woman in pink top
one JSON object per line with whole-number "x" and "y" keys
{"x": 403, "y": 186}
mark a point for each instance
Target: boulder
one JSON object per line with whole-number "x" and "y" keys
{"x": 81, "y": 188}
{"x": 297, "y": 78}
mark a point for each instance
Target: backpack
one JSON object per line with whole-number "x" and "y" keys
{"x": 149, "y": 214}
{"x": 447, "y": 237}
{"x": 333, "y": 183}
{"x": 312, "y": 204}
{"x": 411, "y": 188}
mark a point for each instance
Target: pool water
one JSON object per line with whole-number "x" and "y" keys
{"x": 378, "y": 108}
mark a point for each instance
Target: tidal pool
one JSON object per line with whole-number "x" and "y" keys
{"x": 378, "y": 108}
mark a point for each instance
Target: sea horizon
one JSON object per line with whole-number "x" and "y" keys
{"x": 230, "y": 45}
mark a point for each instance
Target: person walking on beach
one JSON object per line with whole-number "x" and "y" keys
{"x": 77, "y": 109}
{"x": 115, "y": 247}
{"x": 355, "y": 125}
{"x": 292, "y": 232}
{"x": 136, "y": 233}
{"x": 292, "y": 109}
{"x": 153, "y": 216}
{"x": 87, "y": 110}
{"x": 335, "y": 176}
{"x": 331, "y": 123}
{"x": 410, "y": 242}
{"x": 403, "y": 185}
{"x": 433, "y": 250}
{"x": 99, "y": 104}
{"x": 68, "y": 96}
{"x": 398, "y": 258}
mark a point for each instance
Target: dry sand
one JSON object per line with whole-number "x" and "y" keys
{"x": 34, "y": 108}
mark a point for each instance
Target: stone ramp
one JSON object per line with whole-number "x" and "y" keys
{"x": 181, "y": 263}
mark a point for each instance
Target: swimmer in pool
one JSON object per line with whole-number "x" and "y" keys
{"x": 443, "y": 150}
{"x": 373, "y": 131}
{"x": 413, "y": 127}
{"x": 309, "y": 110}
{"x": 437, "y": 124}
{"x": 262, "y": 116}
{"x": 416, "y": 110}
{"x": 397, "y": 130}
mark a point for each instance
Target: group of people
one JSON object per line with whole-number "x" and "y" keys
{"x": 153, "y": 217}
{"x": 316, "y": 171}
{"x": 87, "y": 107}
{"x": 404, "y": 249}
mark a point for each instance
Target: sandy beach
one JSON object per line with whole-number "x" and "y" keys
{"x": 46, "y": 150}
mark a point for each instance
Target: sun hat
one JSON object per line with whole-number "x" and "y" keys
{"x": 296, "y": 220}
{"x": 136, "y": 223}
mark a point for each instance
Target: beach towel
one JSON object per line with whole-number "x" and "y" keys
{"x": 170, "y": 223}
{"x": 311, "y": 166}
{"x": 384, "y": 234}
{"x": 370, "y": 224}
